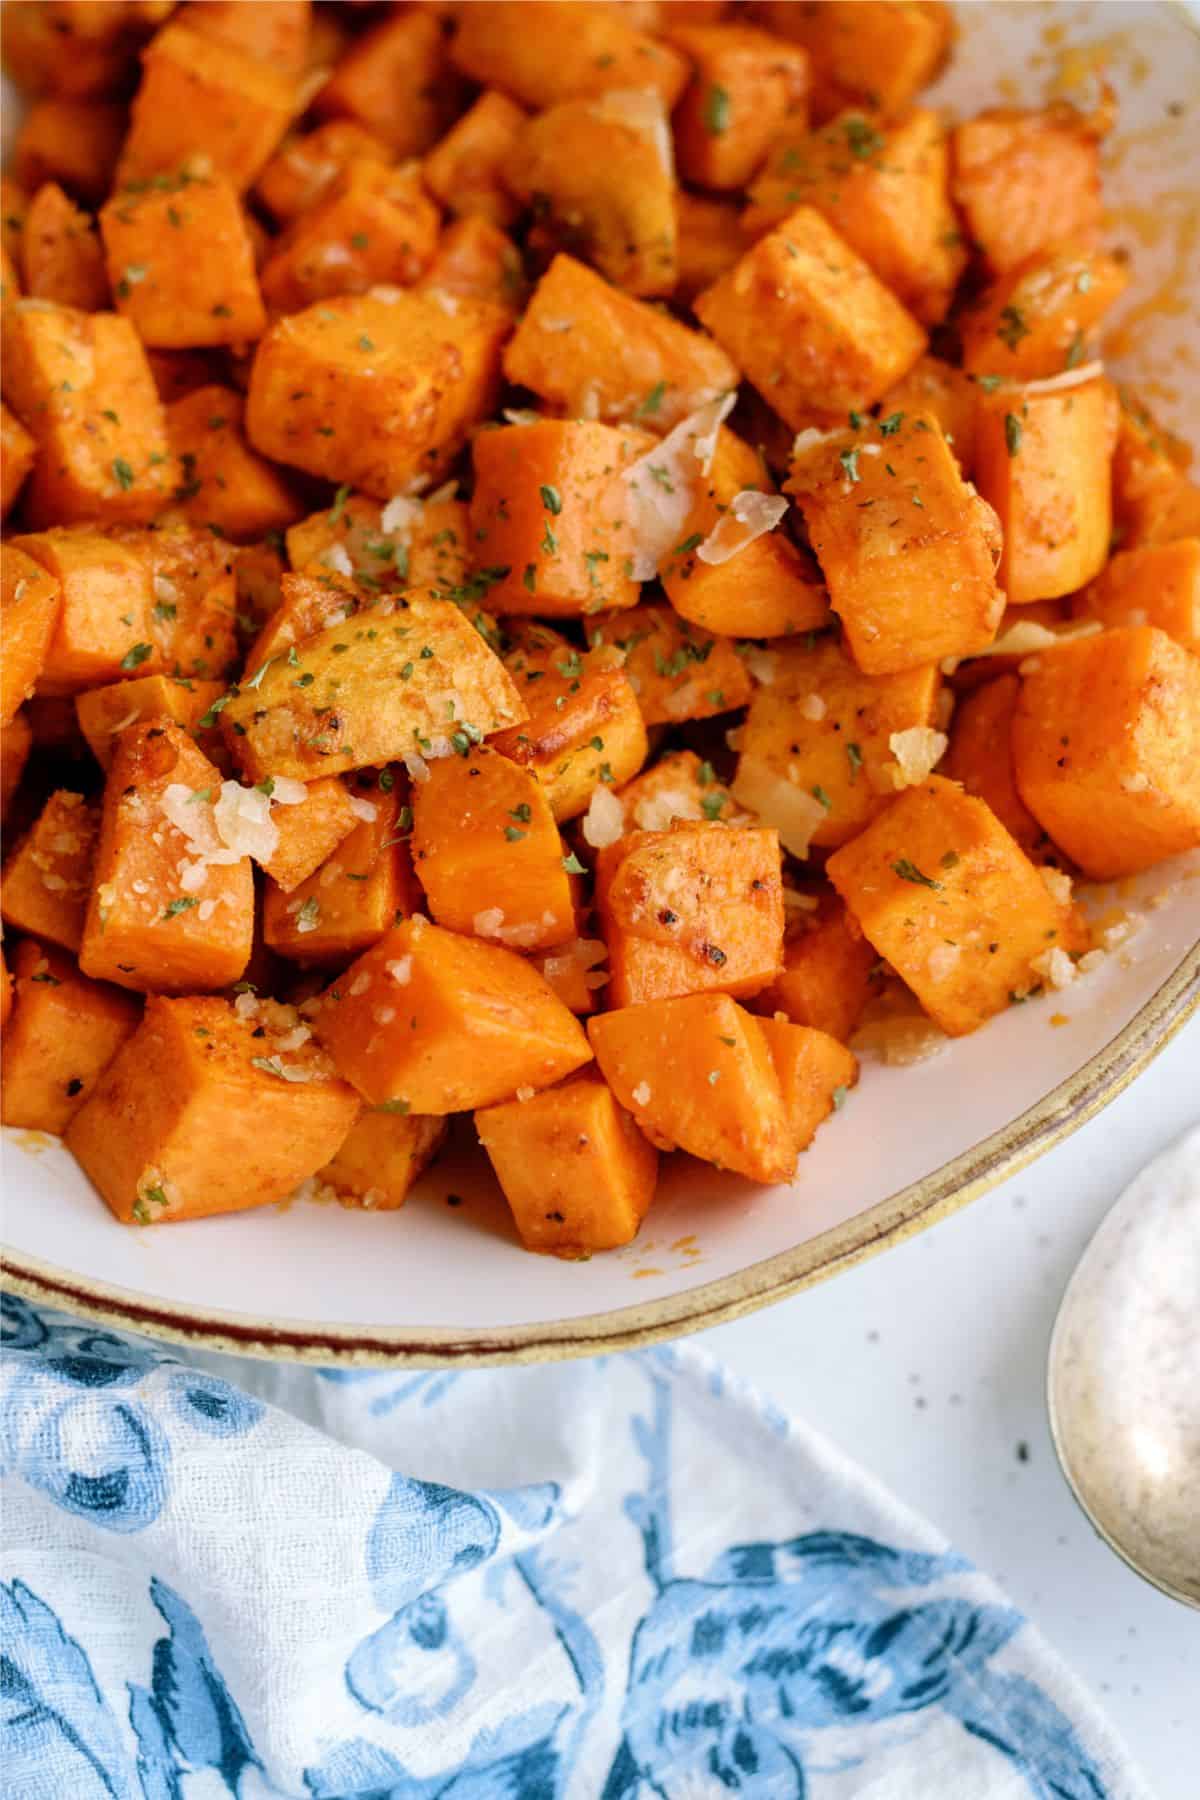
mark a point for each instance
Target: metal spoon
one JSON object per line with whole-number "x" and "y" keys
{"x": 1123, "y": 1383}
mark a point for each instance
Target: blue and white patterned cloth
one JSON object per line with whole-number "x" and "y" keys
{"x": 620, "y": 1580}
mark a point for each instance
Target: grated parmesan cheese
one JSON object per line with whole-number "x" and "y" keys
{"x": 750, "y": 516}
{"x": 917, "y": 752}
{"x": 604, "y": 820}
{"x": 641, "y": 1094}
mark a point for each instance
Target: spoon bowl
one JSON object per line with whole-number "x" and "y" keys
{"x": 1123, "y": 1382}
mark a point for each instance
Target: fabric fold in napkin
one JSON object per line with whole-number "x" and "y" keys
{"x": 629, "y": 1579}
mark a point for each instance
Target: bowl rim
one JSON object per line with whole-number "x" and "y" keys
{"x": 922, "y": 1203}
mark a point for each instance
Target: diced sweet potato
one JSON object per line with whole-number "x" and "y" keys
{"x": 304, "y": 168}
{"x": 551, "y": 510}
{"x": 381, "y": 1157}
{"x": 952, "y": 902}
{"x": 81, "y": 384}
{"x": 697, "y": 1073}
{"x": 64, "y": 1032}
{"x": 1153, "y": 500}
{"x": 193, "y": 620}
{"x": 589, "y": 350}
{"x": 678, "y": 786}
{"x": 816, "y": 332}
{"x": 463, "y": 170}
{"x": 161, "y": 915}
{"x": 1158, "y": 584}
{"x": 101, "y": 583}
{"x": 104, "y": 712}
{"x": 310, "y": 832}
{"x": 1042, "y": 461}
{"x": 308, "y": 603}
{"x": 201, "y": 97}
{"x": 426, "y": 543}
{"x": 475, "y": 261}
{"x": 1040, "y": 318}
{"x": 817, "y": 757}
{"x": 1106, "y": 748}
{"x": 828, "y": 968}
{"x": 695, "y": 908}
{"x": 708, "y": 241}
{"x": 17, "y": 451}
{"x": 74, "y": 142}
{"x": 181, "y": 263}
{"x": 223, "y": 483}
{"x": 76, "y": 48}
{"x": 486, "y": 1023}
{"x": 61, "y": 258}
{"x": 815, "y": 1074}
{"x": 47, "y": 878}
{"x": 574, "y": 972}
{"x": 677, "y": 670}
{"x": 483, "y": 831}
{"x": 276, "y": 34}
{"x": 594, "y": 172}
{"x": 1028, "y": 181}
{"x": 745, "y": 86}
{"x": 907, "y": 547}
{"x": 885, "y": 189}
{"x": 29, "y": 603}
{"x": 374, "y": 392}
{"x": 597, "y": 735}
{"x": 415, "y": 680}
{"x": 178, "y": 373}
{"x": 373, "y": 225}
{"x": 394, "y": 80}
{"x": 865, "y": 52}
{"x": 981, "y": 758}
{"x": 763, "y": 587}
{"x": 541, "y": 53}
{"x": 576, "y": 1171}
{"x": 943, "y": 391}
{"x": 201, "y": 1113}
{"x": 14, "y": 205}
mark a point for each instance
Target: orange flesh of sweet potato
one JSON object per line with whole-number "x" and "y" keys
{"x": 223, "y": 482}
{"x": 276, "y": 34}
{"x": 475, "y": 260}
{"x": 61, "y": 258}
{"x": 381, "y": 1157}
{"x": 697, "y": 1073}
{"x": 48, "y": 876}
{"x": 309, "y": 602}
{"x": 17, "y": 451}
{"x": 64, "y": 1031}
{"x": 462, "y": 171}
{"x": 1153, "y": 500}
{"x": 181, "y": 264}
{"x": 745, "y": 86}
{"x": 1039, "y": 319}
{"x": 815, "y": 1074}
{"x": 678, "y": 671}
{"x": 101, "y": 584}
{"x": 541, "y": 54}
{"x": 304, "y": 167}
{"x": 201, "y": 1112}
{"x": 373, "y": 225}
{"x": 981, "y": 758}
{"x": 1027, "y": 181}
{"x": 104, "y": 712}
{"x": 825, "y": 981}
{"x": 16, "y": 740}
{"x": 29, "y": 603}
{"x": 1158, "y": 584}
{"x": 872, "y": 52}
{"x": 429, "y": 548}
{"x": 709, "y": 240}
{"x": 72, "y": 141}
{"x": 943, "y": 392}
{"x": 310, "y": 832}
{"x": 678, "y": 786}
{"x": 576, "y": 1171}
{"x": 486, "y": 1023}
{"x": 394, "y": 80}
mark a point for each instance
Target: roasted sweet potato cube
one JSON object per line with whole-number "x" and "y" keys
{"x": 815, "y": 1074}
{"x": 104, "y": 712}
{"x": 178, "y": 373}
{"x": 746, "y": 86}
{"x": 201, "y": 1112}
{"x": 981, "y": 758}
{"x": 193, "y": 622}
{"x": 64, "y": 1031}
{"x": 816, "y": 332}
{"x": 1042, "y": 461}
{"x": 867, "y": 52}
{"x": 14, "y": 205}
{"x": 885, "y": 189}
{"x": 953, "y": 903}
{"x": 76, "y": 48}
{"x": 163, "y": 915}
{"x": 202, "y": 97}
{"x": 1027, "y": 182}
{"x": 475, "y": 261}
{"x": 394, "y": 80}
{"x": 574, "y": 972}
{"x": 1040, "y": 318}
{"x": 81, "y": 384}
{"x": 101, "y": 584}
{"x": 181, "y": 263}
{"x": 356, "y": 895}
{"x": 304, "y": 168}
{"x": 1154, "y": 502}
{"x": 907, "y": 547}
{"x": 597, "y": 736}
{"x": 678, "y": 786}
{"x": 1106, "y": 748}
{"x": 463, "y": 170}
{"x": 541, "y": 53}
{"x": 374, "y": 392}
{"x": 697, "y": 1073}
{"x": 576, "y": 1171}
{"x": 946, "y": 394}
{"x": 726, "y": 579}
{"x": 29, "y": 602}
{"x": 1158, "y": 584}
{"x": 373, "y": 225}
{"x": 74, "y": 142}
{"x": 16, "y": 741}
{"x": 587, "y": 349}
{"x": 695, "y": 908}
{"x": 487, "y": 1024}
{"x": 17, "y": 451}
{"x": 276, "y": 34}
{"x": 551, "y": 510}
{"x": 414, "y": 680}
{"x": 308, "y": 603}
{"x": 594, "y": 173}
{"x": 47, "y": 878}
{"x": 677, "y": 670}
{"x": 826, "y": 977}
{"x": 61, "y": 258}
{"x": 708, "y": 241}
{"x": 310, "y": 831}
{"x": 483, "y": 831}
{"x": 426, "y": 542}
{"x": 381, "y": 1157}
{"x": 223, "y": 482}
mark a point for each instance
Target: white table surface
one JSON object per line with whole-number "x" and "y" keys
{"x": 927, "y": 1364}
